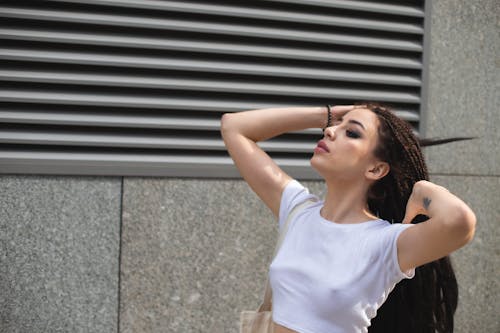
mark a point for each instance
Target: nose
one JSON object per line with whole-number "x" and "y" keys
{"x": 330, "y": 132}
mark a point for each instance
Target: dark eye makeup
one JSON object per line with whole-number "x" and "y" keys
{"x": 352, "y": 134}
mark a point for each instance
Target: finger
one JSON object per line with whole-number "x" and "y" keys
{"x": 343, "y": 108}
{"x": 406, "y": 220}
{"x": 338, "y": 111}
{"x": 406, "y": 217}
{"x": 410, "y": 213}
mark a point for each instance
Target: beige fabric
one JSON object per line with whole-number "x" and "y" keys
{"x": 256, "y": 322}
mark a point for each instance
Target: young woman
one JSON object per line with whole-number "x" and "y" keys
{"x": 343, "y": 255}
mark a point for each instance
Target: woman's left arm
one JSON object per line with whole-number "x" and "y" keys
{"x": 450, "y": 226}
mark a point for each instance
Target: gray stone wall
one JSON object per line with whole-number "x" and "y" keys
{"x": 193, "y": 253}
{"x": 463, "y": 101}
{"x": 59, "y": 254}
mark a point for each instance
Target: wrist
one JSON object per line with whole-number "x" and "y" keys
{"x": 433, "y": 197}
{"x": 317, "y": 117}
{"x": 329, "y": 120}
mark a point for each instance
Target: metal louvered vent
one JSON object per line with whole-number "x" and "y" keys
{"x": 137, "y": 87}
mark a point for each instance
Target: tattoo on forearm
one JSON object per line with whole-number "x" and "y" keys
{"x": 427, "y": 203}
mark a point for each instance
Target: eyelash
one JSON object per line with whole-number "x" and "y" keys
{"x": 352, "y": 134}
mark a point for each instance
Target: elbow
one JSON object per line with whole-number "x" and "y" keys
{"x": 471, "y": 224}
{"x": 226, "y": 123}
{"x": 465, "y": 224}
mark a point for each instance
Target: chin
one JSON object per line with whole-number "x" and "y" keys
{"x": 325, "y": 168}
{"x": 318, "y": 166}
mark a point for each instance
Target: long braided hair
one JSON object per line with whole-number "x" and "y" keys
{"x": 426, "y": 303}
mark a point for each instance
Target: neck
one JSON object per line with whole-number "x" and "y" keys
{"x": 345, "y": 202}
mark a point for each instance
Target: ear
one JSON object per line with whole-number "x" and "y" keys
{"x": 377, "y": 170}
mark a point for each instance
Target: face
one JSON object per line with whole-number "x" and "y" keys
{"x": 346, "y": 150}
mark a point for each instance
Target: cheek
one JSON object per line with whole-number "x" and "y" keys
{"x": 356, "y": 157}
{"x": 350, "y": 156}
{"x": 355, "y": 150}
{"x": 346, "y": 156}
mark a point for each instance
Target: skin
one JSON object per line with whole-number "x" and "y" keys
{"x": 346, "y": 162}
{"x": 349, "y": 167}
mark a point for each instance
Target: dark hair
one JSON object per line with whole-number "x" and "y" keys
{"x": 427, "y": 302}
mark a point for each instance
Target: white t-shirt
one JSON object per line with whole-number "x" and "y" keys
{"x": 329, "y": 277}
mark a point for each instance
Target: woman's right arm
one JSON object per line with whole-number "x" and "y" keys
{"x": 241, "y": 131}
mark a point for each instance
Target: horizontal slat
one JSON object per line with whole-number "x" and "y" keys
{"x": 140, "y": 120}
{"x": 410, "y": 116}
{"x": 281, "y": 15}
{"x": 116, "y": 120}
{"x": 103, "y": 59}
{"x": 141, "y": 140}
{"x": 203, "y": 85}
{"x": 208, "y": 86}
{"x": 7, "y": 95}
{"x": 215, "y": 67}
{"x": 368, "y": 6}
{"x": 208, "y": 47}
{"x": 77, "y": 163}
{"x": 214, "y": 28}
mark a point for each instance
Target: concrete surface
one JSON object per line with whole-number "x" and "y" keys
{"x": 59, "y": 242}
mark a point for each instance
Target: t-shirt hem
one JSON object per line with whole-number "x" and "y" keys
{"x": 294, "y": 327}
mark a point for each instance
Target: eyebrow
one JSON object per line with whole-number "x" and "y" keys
{"x": 352, "y": 121}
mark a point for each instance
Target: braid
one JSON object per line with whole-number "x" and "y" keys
{"x": 426, "y": 303}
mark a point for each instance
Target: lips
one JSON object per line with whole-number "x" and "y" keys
{"x": 322, "y": 147}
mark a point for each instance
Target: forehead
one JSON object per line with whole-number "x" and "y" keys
{"x": 367, "y": 117}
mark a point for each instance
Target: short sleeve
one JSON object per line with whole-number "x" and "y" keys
{"x": 391, "y": 254}
{"x": 294, "y": 194}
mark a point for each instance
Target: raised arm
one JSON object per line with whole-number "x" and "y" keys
{"x": 451, "y": 225}
{"x": 241, "y": 131}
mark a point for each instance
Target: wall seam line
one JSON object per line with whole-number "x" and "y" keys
{"x": 462, "y": 174}
{"x": 120, "y": 256}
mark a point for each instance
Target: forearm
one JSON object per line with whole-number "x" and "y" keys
{"x": 259, "y": 125}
